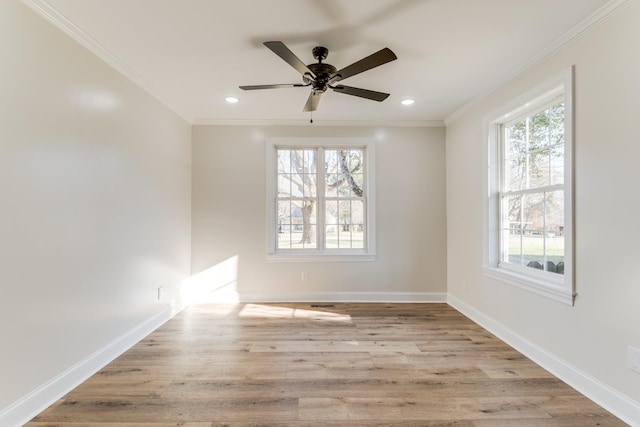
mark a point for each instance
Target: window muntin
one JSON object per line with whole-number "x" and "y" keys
{"x": 321, "y": 200}
{"x": 532, "y": 190}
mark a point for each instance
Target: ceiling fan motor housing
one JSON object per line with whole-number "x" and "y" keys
{"x": 323, "y": 74}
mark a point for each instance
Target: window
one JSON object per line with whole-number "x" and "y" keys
{"x": 530, "y": 203}
{"x": 319, "y": 199}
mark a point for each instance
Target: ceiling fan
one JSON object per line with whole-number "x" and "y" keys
{"x": 322, "y": 76}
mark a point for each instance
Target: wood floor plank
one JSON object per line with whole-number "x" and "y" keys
{"x": 109, "y": 424}
{"x": 317, "y": 365}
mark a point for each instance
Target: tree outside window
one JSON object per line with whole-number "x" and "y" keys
{"x": 321, "y": 198}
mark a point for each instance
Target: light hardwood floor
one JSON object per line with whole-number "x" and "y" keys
{"x": 323, "y": 365}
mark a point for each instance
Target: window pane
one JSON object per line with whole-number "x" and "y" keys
{"x": 533, "y": 253}
{"x": 297, "y": 161}
{"x": 344, "y": 213}
{"x": 515, "y": 137}
{"x": 357, "y": 238}
{"x": 331, "y": 236}
{"x": 331, "y": 185}
{"x": 331, "y": 161}
{"x": 513, "y": 205}
{"x": 331, "y": 219}
{"x": 356, "y": 171}
{"x": 344, "y": 189}
{"x": 539, "y": 169}
{"x": 302, "y": 226}
{"x": 533, "y": 212}
{"x": 284, "y": 185}
{"x": 556, "y": 122}
{"x": 331, "y": 212}
{"x": 344, "y": 237}
{"x": 554, "y": 212}
{"x": 513, "y": 240}
{"x": 284, "y": 224}
{"x": 554, "y": 232}
{"x": 515, "y": 176}
{"x": 539, "y": 131}
{"x": 356, "y": 160}
{"x": 516, "y": 154}
{"x": 358, "y": 178}
{"x": 533, "y": 249}
{"x": 310, "y": 161}
{"x": 557, "y": 164}
{"x": 357, "y": 212}
{"x": 346, "y": 172}
{"x": 355, "y": 185}
{"x": 357, "y": 224}
{"x": 512, "y": 229}
{"x": 284, "y": 161}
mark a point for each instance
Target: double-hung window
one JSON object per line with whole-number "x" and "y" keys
{"x": 530, "y": 203}
{"x": 320, "y": 199}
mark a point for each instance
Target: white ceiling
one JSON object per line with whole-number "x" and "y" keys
{"x": 191, "y": 54}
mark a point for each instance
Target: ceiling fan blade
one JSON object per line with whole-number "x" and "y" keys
{"x": 312, "y": 101}
{"x": 290, "y": 58}
{"x": 380, "y": 57}
{"x": 362, "y": 93}
{"x": 254, "y": 87}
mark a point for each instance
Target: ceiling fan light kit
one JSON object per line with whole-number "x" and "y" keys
{"x": 321, "y": 76}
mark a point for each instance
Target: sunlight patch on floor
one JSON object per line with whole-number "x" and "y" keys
{"x": 274, "y": 311}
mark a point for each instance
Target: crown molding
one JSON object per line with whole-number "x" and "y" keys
{"x": 44, "y": 9}
{"x": 319, "y": 122}
{"x": 591, "y": 22}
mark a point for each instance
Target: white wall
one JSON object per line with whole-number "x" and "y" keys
{"x": 95, "y": 204}
{"x": 592, "y": 336}
{"x": 229, "y": 208}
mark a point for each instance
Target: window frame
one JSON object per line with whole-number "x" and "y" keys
{"x": 368, "y": 253}
{"x": 554, "y": 286}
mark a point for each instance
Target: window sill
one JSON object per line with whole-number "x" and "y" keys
{"x": 320, "y": 257}
{"x": 546, "y": 288}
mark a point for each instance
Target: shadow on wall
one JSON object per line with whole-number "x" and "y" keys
{"x": 218, "y": 282}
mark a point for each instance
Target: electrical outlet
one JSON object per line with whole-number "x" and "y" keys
{"x": 633, "y": 359}
{"x": 304, "y": 276}
{"x": 159, "y": 293}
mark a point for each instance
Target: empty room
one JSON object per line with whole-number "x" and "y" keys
{"x": 320, "y": 213}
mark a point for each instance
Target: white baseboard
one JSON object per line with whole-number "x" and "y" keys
{"x": 41, "y": 398}
{"x": 613, "y": 401}
{"x": 363, "y": 297}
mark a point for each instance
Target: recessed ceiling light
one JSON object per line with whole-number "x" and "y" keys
{"x": 407, "y": 101}
{"x": 231, "y": 99}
